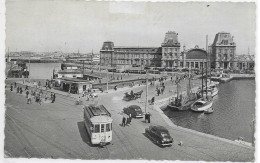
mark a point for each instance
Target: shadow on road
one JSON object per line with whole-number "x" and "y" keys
{"x": 83, "y": 133}
{"x": 153, "y": 141}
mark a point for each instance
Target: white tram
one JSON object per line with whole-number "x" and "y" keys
{"x": 98, "y": 123}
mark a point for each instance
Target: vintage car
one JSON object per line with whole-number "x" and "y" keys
{"x": 159, "y": 135}
{"x": 136, "y": 111}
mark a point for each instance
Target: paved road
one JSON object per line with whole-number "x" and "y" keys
{"x": 57, "y": 131}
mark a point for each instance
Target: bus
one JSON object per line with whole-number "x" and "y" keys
{"x": 98, "y": 123}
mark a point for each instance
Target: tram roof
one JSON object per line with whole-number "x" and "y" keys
{"x": 101, "y": 119}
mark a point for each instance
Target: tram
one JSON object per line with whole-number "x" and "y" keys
{"x": 98, "y": 123}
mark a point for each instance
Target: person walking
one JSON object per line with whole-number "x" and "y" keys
{"x": 127, "y": 121}
{"x": 130, "y": 118}
{"x": 17, "y": 90}
{"x": 149, "y": 117}
{"x": 11, "y": 88}
{"x": 21, "y": 90}
{"x": 162, "y": 90}
{"x": 54, "y": 97}
{"x": 158, "y": 92}
{"x": 46, "y": 97}
{"x": 27, "y": 93}
{"x": 29, "y": 99}
{"x": 123, "y": 121}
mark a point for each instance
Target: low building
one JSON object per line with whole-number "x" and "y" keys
{"x": 75, "y": 86}
{"x": 114, "y": 56}
{"x": 69, "y": 73}
{"x": 244, "y": 62}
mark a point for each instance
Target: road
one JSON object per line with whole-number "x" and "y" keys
{"x": 57, "y": 131}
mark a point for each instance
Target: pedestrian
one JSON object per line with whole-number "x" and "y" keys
{"x": 158, "y": 92}
{"x": 46, "y": 97}
{"x": 123, "y": 121}
{"x": 54, "y": 98}
{"x": 171, "y": 78}
{"x": 27, "y": 93}
{"x": 11, "y": 88}
{"x": 149, "y": 117}
{"x": 17, "y": 90}
{"x": 130, "y": 118}
{"x": 162, "y": 90}
{"x": 39, "y": 84}
{"x": 127, "y": 121}
{"x": 29, "y": 99}
{"x": 26, "y": 87}
{"x": 152, "y": 100}
{"x": 21, "y": 90}
{"x": 14, "y": 84}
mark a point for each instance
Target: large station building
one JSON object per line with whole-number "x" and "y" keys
{"x": 223, "y": 51}
{"x": 221, "y": 54}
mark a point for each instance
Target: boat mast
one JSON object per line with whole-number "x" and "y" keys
{"x": 202, "y": 80}
{"x": 206, "y": 64}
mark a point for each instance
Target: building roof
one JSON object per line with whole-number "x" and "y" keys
{"x": 171, "y": 39}
{"x": 245, "y": 58}
{"x": 95, "y": 76}
{"x": 223, "y": 39}
{"x": 196, "y": 53}
{"x": 69, "y": 71}
{"x": 108, "y": 45}
{"x": 74, "y": 80}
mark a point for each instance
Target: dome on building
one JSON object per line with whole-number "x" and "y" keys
{"x": 196, "y": 53}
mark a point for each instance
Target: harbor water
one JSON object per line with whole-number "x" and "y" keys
{"x": 234, "y": 112}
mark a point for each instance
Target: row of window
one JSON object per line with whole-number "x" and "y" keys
{"x": 170, "y": 49}
{"x": 171, "y": 55}
{"x": 225, "y": 50}
{"x": 97, "y": 128}
{"x": 132, "y": 62}
{"x": 134, "y": 55}
{"x": 196, "y": 64}
{"x": 225, "y": 56}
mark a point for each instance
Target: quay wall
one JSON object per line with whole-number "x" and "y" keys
{"x": 161, "y": 104}
{"x": 234, "y": 77}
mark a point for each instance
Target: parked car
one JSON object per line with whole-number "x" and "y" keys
{"x": 136, "y": 111}
{"x": 160, "y": 135}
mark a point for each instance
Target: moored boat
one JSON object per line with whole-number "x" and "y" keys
{"x": 202, "y": 104}
{"x": 182, "y": 102}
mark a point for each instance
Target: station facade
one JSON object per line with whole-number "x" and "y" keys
{"x": 223, "y": 51}
{"x": 221, "y": 54}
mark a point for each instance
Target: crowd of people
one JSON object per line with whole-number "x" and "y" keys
{"x": 33, "y": 93}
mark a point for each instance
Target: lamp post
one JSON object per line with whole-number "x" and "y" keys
{"x": 146, "y": 97}
{"x": 29, "y": 68}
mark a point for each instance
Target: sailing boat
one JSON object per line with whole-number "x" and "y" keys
{"x": 205, "y": 103}
{"x": 181, "y": 102}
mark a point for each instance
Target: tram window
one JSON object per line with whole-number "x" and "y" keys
{"x": 97, "y": 129}
{"x": 108, "y": 127}
{"x": 102, "y": 127}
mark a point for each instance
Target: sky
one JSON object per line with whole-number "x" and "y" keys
{"x": 72, "y": 26}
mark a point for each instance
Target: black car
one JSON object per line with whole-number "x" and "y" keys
{"x": 136, "y": 111}
{"x": 159, "y": 135}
